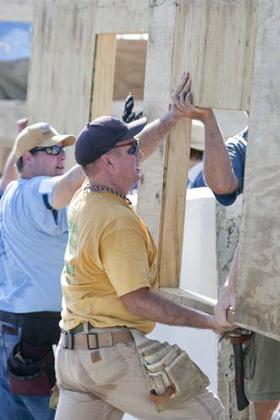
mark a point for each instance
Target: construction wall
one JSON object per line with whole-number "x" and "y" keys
{"x": 224, "y": 45}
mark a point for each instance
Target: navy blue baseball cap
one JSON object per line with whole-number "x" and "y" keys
{"x": 101, "y": 135}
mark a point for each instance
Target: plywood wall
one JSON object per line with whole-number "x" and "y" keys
{"x": 216, "y": 41}
{"x": 259, "y": 271}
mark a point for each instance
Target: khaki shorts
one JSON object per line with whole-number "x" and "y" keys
{"x": 108, "y": 382}
{"x": 262, "y": 369}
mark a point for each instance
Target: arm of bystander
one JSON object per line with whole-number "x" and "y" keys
{"x": 9, "y": 171}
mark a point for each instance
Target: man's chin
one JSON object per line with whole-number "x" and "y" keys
{"x": 59, "y": 171}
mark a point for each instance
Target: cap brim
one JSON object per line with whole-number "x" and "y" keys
{"x": 65, "y": 139}
{"x": 134, "y": 128}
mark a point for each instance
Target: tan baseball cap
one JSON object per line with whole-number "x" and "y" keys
{"x": 40, "y": 134}
{"x": 198, "y": 135}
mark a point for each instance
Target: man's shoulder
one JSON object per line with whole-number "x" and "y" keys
{"x": 239, "y": 139}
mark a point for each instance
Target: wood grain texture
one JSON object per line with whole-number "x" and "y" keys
{"x": 60, "y": 82}
{"x": 216, "y": 45}
{"x": 62, "y": 64}
{"x": 10, "y": 112}
{"x": 121, "y": 16}
{"x": 104, "y": 71}
{"x": 188, "y": 298}
{"x": 16, "y": 10}
{"x": 258, "y": 284}
{"x": 157, "y": 93}
{"x": 173, "y": 204}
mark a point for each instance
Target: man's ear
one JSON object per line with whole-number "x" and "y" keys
{"x": 27, "y": 157}
{"x": 107, "y": 160}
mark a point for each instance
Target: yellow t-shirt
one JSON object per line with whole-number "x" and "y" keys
{"x": 110, "y": 252}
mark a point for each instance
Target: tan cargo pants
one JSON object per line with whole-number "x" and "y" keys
{"x": 108, "y": 382}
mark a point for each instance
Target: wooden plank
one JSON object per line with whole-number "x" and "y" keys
{"x": 188, "y": 298}
{"x": 60, "y": 82}
{"x": 173, "y": 204}
{"x": 104, "y": 70}
{"x": 16, "y": 10}
{"x": 217, "y": 47}
{"x": 121, "y": 16}
{"x": 156, "y": 99}
{"x": 258, "y": 288}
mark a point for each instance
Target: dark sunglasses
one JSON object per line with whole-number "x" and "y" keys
{"x": 50, "y": 150}
{"x": 134, "y": 146}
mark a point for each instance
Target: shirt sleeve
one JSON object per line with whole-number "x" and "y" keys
{"x": 237, "y": 147}
{"x": 125, "y": 258}
{"x": 41, "y": 213}
{"x": 198, "y": 182}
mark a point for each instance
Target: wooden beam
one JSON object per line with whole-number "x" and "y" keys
{"x": 104, "y": 71}
{"x": 158, "y": 83}
{"x": 188, "y": 298}
{"x": 173, "y": 204}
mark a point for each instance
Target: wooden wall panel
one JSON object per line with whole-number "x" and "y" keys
{"x": 216, "y": 45}
{"x": 17, "y": 10}
{"x": 259, "y": 271}
{"x": 62, "y": 64}
{"x": 10, "y": 112}
{"x": 121, "y": 16}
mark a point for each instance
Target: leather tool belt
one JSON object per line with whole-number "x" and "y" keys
{"x": 169, "y": 371}
{"x": 94, "y": 340}
{"x": 31, "y": 364}
{"x": 28, "y": 374}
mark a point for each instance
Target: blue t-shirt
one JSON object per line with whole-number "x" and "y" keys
{"x": 32, "y": 244}
{"x": 237, "y": 147}
{"x": 199, "y": 181}
{"x": 196, "y": 176}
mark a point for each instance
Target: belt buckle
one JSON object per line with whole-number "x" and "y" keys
{"x": 68, "y": 340}
{"x": 96, "y": 338}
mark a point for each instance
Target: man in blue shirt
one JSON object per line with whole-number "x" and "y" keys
{"x": 33, "y": 236}
{"x": 224, "y": 167}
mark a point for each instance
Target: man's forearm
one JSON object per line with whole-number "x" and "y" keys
{"x": 149, "y": 305}
{"x": 66, "y": 187}
{"x": 217, "y": 166}
{"x": 9, "y": 171}
{"x": 155, "y": 131}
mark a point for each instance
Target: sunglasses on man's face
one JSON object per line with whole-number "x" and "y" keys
{"x": 134, "y": 146}
{"x": 50, "y": 150}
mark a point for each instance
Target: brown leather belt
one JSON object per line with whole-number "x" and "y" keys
{"x": 94, "y": 340}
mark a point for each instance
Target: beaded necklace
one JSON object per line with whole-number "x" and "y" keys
{"x": 104, "y": 188}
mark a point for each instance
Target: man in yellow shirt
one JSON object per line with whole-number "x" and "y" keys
{"x": 105, "y": 364}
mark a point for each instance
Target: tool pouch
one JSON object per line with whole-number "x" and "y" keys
{"x": 170, "y": 373}
{"x": 29, "y": 374}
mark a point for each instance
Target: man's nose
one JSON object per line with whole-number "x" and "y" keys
{"x": 62, "y": 155}
{"x": 140, "y": 154}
